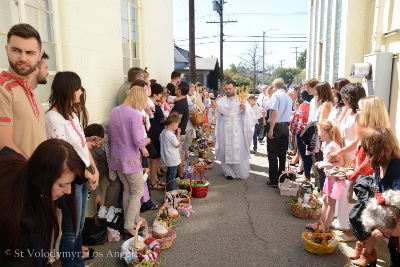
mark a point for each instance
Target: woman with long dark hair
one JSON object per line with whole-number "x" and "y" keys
{"x": 339, "y": 104}
{"x": 63, "y": 121}
{"x": 29, "y": 193}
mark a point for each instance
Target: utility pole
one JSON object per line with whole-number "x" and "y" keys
{"x": 192, "y": 52}
{"x": 297, "y": 71}
{"x": 281, "y": 62}
{"x": 219, "y": 8}
{"x": 263, "y": 68}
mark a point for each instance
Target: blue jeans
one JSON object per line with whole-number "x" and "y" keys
{"x": 71, "y": 248}
{"x": 306, "y": 159}
{"x": 255, "y": 137}
{"x": 171, "y": 173}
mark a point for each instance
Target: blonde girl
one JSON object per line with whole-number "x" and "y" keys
{"x": 330, "y": 135}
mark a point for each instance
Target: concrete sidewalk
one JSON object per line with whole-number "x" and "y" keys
{"x": 240, "y": 223}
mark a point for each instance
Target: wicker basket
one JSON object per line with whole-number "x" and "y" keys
{"x": 135, "y": 257}
{"x": 202, "y": 190}
{"x": 178, "y": 195}
{"x": 324, "y": 247}
{"x": 305, "y": 213}
{"x": 185, "y": 209}
{"x": 210, "y": 163}
{"x": 165, "y": 242}
{"x": 288, "y": 191}
{"x": 163, "y": 216}
{"x": 197, "y": 119}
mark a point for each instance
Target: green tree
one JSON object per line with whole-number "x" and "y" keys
{"x": 301, "y": 61}
{"x": 214, "y": 77}
{"x": 287, "y": 74}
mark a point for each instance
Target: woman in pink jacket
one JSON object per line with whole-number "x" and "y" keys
{"x": 126, "y": 137}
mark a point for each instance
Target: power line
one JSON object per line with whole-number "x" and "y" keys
{"x": 289, "y": 37}
{"x": 271, "y": 14}
{"x": 266, "y": 41}
{"x": 184, "y": 5}
{"x": 239, "y": 36}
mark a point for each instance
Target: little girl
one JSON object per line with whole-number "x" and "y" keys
{"x": 166, "y": 108}
{"x": 333, "y": 188}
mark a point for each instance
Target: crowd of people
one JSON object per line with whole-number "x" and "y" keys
{"x": 337, "y": 126}
{"x": 55, "y": 159}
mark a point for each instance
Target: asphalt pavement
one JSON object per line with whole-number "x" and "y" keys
{"x": 240, "y": 223}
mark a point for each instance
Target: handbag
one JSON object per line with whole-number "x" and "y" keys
{"x": 94, "y": 231}
{"x": 152, "y": 151}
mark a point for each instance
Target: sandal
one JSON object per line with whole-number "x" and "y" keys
{"x": 161, "y": 183}
{"x": 156, "y": 186}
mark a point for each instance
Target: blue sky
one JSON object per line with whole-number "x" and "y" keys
{"x": 253, "y": 17}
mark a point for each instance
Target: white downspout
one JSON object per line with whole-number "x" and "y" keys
{"x": 376, "y": 37}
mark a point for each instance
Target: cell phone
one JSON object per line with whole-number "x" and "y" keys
{"x": 90, "y": 169}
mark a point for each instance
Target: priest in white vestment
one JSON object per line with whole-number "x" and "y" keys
{"x": 234, "y": 134}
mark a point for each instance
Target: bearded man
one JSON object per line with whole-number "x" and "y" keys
{"x": 21, "y": 115}
{"x": 234, "y": 134}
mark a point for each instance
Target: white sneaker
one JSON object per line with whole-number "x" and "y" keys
{"x": 335, "y": 225}
{"x": 345, "y": 238}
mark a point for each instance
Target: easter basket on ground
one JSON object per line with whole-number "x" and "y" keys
{"x": 176, "y": 196}
{"x": 168, "y": 215}
{"x": 288, "y": 187}
{"x": 199, "y": 186}
{"x": 320, "y": 243}
{"x": 137, "y": 248}
{"x": 185, "y": 209}
{"x": 165, "y": 242}
{"x": 306, "y": 207}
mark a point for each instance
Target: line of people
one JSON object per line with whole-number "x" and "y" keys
{"x": 57, "y": 159}
{"x": 337, "y": 126}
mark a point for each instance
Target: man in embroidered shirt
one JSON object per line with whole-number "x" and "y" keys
{"x": 278, "y": 134}
{"x": 21, "y": 115}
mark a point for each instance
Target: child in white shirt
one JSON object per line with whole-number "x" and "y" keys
{"x": 169, "y": 147}
{"x": 333, "y": 187}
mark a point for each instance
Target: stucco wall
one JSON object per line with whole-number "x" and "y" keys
{"x": 157, "y": 39}
{"x": 90, "y": 45}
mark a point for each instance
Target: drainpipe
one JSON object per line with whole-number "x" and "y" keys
{"x": 376, "y": 37}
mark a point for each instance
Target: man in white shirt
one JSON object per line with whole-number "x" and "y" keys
{"x": 278, "y": 134}
{"x": 260, "y": 102}
{"x": 257, "y": 116}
